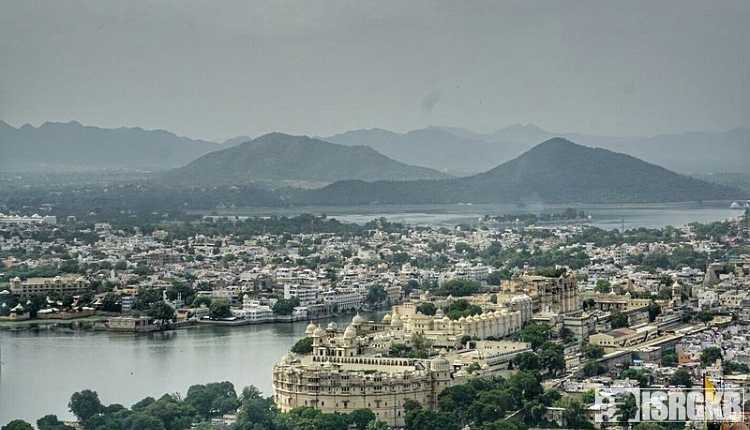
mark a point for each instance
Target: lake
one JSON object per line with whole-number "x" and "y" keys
{"x": 40, "y": 370}
{"x": 603, "y": 216}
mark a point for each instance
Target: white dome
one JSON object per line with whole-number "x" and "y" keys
{"x": 357, "y": 320}
{"x": 333, "y": 326}
{"x": 319, "y": 332}
{"x": 350, "y": 332}
{"x": 387, "y": 318}
{"x": 310, "y": 329}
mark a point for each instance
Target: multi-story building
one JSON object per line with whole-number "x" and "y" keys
{"x": 306, "y": 293}
{"x": 556, "y": 295}
{"x": 348, "y": 370}
{"x": 64, "y": 285}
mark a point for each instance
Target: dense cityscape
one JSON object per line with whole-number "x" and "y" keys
{"x": 511, "y": 322}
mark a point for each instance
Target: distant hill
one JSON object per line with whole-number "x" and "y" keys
{"x": 462, "y": 151}
{"x": 294, "y": 160}
{"x": 555, "y": 171}
{"x": 736, "y": 180}
{"x": 72, "y": 146}
{"x": 456, "y": 151}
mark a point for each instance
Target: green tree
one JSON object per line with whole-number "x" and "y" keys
{"x": 603, "y": 286}
{"x": 376, "y": 294}
{"x": 669, "y": 359}
{"x": 574, "y": 414}
{"x": 111, "y": 303}
{"x": 361, "y": 418}
{"x": 552, "y": 358}
{"x": 50, "y": 422}
{"x": 535, "y": 333}
{"x": 427, "y": 308}
{"x": 303, "y": 346}
{"x": 161, "y": 312}
{"x": 285, "y": 306}
{"x": 682, "y": 377}
{"x": 710, "y": 355}
{"x": 17, "y": 425}
{"x": 85, "y": 404}
{"x": 626, "y": 409}
{"x": 219, "y": 309}
{"x": 214, "y": 399}
{"x": 618, "y": 320}
{"x": 527, "y": 361}
{"x": 377, "y": 425}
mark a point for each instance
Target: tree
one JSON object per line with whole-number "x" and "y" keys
{"x": 552, "y": 358}
{"x": 50, "y": 422}
{"x": 642, "y": 376}
{"x": 458, "y": 288}
{"x": 705, "y": 316}
{"x": 527, "y": 361}
{"x": 574, "y": 414}
{"x": 85, "y": 404}
{"x": 668, "y": 359}
{"x": 201, "y": 300}
{"x": 627, "y": 409}
{"x": 427, "y": 308}
{"x": 285, "y": 306}
{"x": 361, "y": 418}
{"x": 140, "y": 421}
{"x": 593, "y": 352}
{"x": 219, "y": 309}
{"x": 593, "y": 368}
{"x": 161, "y": 312}
{"x": 618, "y": 320}
{"x": 376, "y": 294}
{"x": 303, "y": 346}
{"x": 422, "y": 419}
{"x": 710, "y": 355}
{"x": 110, "y": 303}
{"x": 377, "y": 425}
{"x": 535, "y": 333}
{"x": 654, "y": 311}
{"x": 682, "y": 377}
{"x": 17, "y": 425}
{"x": 214, "y": 399}
{"x": 603, "y": 286}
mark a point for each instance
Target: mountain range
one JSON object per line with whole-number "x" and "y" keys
{"x": 294, "y": 160}
{"x": 462, "y": 152}
{"x": 73, "y": 146}
{"x": 555, "y": 171}
{"x": 456, "y": 151}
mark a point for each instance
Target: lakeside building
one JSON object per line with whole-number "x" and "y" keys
{"x": 33, "y": 219}
{"x": 353, "y": 369}
{"x": 64, "y": 284}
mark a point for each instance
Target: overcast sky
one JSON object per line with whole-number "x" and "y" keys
{"x": 215, "y": 69}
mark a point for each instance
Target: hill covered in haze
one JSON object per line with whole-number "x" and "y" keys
{"x": 72, "y": 146}
{"x": 278, "y": 157}
{"x": 462, "y": 151}
{"x": 555, "y": 171}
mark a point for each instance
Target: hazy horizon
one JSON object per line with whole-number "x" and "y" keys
{"x": 247, "y": 68}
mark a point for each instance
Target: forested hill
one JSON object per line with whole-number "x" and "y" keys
{"x": 555, "y": 171}
{"x": 281, "y": 157}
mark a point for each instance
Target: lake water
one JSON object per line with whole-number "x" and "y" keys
{"x": 603, "y": 216}
{"x": 41, "y": 370}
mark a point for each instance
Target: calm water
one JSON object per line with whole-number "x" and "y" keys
{"x": 603, "y": 216}
{"x": 41, "y": 370}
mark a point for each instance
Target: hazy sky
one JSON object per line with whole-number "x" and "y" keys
{"x": 214, "y": 69}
